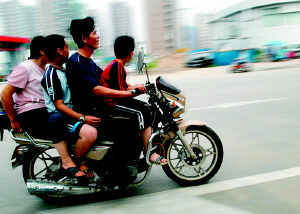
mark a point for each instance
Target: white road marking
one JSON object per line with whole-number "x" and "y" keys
{"x": 245, "y": 181}
{"x": 234, "y": 104}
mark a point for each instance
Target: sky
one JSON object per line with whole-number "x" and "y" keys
{"x": 199, "y": 5}
{"x": 188, "y": 7}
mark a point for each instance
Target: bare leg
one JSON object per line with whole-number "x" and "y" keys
{"x": 146, "y": 133}
{"x": 87, "y": 137}
{"x": 67, "y": 161}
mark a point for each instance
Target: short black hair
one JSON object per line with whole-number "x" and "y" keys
{"x": 123, "y": 46}
{"x": 81, "y": 27}
{"x": 53, "y": 42}
{"x": 36, "y": 46}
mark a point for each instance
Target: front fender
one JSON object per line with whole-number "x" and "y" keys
{"x": 186, "y": 123}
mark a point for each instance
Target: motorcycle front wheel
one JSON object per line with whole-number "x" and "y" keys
{"x": 187, "y": 171}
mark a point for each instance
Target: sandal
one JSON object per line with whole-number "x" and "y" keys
{"x": 72, "y": 171}
{"x": 158, "y": 160}
{"x": 88, "y": 172}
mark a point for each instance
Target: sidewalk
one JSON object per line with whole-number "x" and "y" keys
{"x": 219, "y": 70}
{"x": 257, "y": 66}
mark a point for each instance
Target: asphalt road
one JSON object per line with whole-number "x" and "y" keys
{"x": 256, "y": 115}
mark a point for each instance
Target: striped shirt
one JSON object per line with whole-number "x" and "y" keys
{"x": 55, "y": 87}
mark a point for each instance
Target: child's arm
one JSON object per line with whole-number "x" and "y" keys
{"x": 141, "y": 87}
{"x": 111, "y": 93}
{"x": 60, "y": 106}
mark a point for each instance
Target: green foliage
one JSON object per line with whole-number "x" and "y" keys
{"x": 153, "y": 64}
{"x": 72, "y": 45}
{"x": 99, "y": 52}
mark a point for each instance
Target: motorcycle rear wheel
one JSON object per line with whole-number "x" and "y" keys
{"x": 42, "y": 164}
{"x": 188, "y": 171}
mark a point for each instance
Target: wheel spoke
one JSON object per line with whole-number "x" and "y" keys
{"x": 175, "y": 158}
{"x": 40, "y": 172}
{"x": 47, "y": 154}
{"x": 200, "y": 171}
{"x": 194, "y": 137}
{"x": 210, "y": 151}
{"x": 177, "y": 166}
{"x": 46, "y": 159}
{"x": 180, "y": 168}
{"x": 175, "y": 147}
{"x": 43, "y": 159}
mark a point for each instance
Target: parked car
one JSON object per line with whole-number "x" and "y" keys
{"x": 199, "y": 58}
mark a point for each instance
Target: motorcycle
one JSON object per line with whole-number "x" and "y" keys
{"x": 194, "y": 151}
{"x": 240, "y": 65}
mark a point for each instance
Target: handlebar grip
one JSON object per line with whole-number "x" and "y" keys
{"x": 135, "y": 91}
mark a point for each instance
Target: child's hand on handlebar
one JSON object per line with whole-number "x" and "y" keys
{"x": 141, "y": 88}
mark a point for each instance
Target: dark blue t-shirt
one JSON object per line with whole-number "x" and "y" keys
{"x": 83, "y": 75}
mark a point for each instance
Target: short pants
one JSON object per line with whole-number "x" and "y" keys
{"x": 35, "y": 122}
{"x": 61, "y": 127}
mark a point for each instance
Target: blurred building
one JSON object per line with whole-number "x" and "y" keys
{"x": 64, "y": 12}
{"x": 46, "y": 17}
{"x": 17, "y": 19}
{"x": 101, "y": 27}
{"x": 121, "y": 16}
{"x": 58, "y": 15}
{"x": 161, "y": 23}
{"x": 204, "y": 32}
{"x": 254, "y": 23}
{"x": 190, "y": 37}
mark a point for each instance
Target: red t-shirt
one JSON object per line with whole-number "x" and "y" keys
{"x": 113, "y": 76}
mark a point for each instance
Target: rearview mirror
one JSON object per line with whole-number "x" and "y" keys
{"x": 140, "y": 60}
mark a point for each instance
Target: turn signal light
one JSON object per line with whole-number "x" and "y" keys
{"x": 174, "y": 104}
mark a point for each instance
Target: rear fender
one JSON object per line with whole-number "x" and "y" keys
{"x": 19, "y": 155}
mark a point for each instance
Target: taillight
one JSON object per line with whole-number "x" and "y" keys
{"x": 21, "y": 150}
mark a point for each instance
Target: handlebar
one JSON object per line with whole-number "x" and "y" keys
{"x": 135, "y": 91}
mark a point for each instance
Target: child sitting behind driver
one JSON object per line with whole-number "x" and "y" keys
{"x": 59, "y": 105}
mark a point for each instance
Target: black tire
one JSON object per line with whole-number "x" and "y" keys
{"x": 181, "y": 169}
{"x": 41, "y": 164}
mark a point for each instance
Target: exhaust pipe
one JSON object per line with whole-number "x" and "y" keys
{"x": 46, "y": 188}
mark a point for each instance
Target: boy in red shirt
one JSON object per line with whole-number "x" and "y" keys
{"x": 114, "y": 77}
